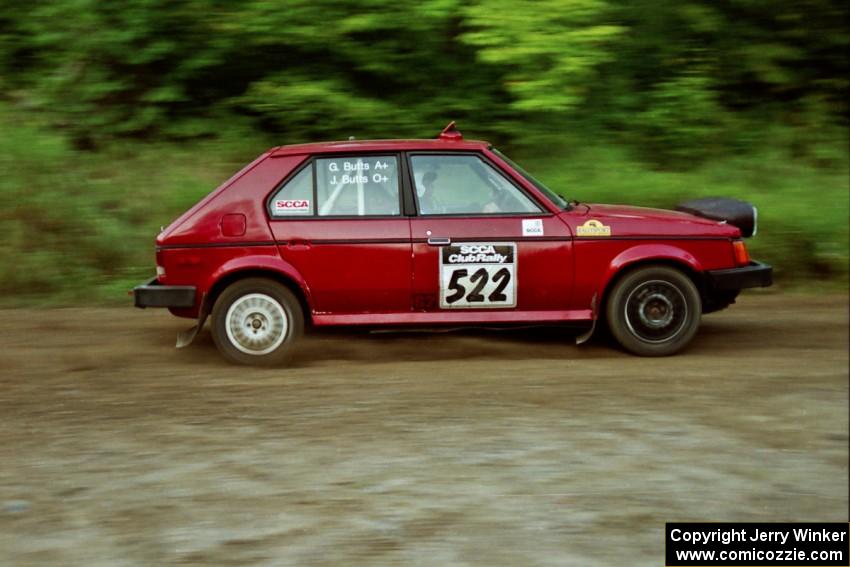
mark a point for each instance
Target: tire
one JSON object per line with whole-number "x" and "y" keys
{"x": 256, "y": 321}
{"x": 654, "y": 311}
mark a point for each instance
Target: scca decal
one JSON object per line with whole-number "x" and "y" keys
{"x": 291, "y": 205}
{"x": 478, "y": 254}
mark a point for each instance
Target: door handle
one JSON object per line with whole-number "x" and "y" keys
{"x": 439, "y": 241}
{"x": 298, "y": 244}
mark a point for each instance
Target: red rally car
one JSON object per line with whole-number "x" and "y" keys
{"x": 438, "y": 232}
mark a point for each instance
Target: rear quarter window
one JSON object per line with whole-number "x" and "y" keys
{"x": 295, "y": 198}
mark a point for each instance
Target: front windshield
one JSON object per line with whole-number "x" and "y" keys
{"x": 554, "y": 197}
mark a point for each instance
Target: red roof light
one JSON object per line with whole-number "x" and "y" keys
{"x": 450, "y": 133}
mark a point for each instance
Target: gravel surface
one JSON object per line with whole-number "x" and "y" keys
{"x": 465, "y": 448}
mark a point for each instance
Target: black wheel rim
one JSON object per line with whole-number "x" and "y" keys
{"x": 656, "y": 311}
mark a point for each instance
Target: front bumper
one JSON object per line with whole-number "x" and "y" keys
{"x": 754, "y": 275}
{"x": 153, "y": 294}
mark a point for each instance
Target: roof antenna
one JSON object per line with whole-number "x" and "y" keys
{"x": 350, "y": 138}
{"x": 450, "y": 133}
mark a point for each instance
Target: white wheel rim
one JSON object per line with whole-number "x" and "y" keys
{"x": 256, "y": 324}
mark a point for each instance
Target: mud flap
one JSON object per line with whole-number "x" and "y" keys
{"x": 584, "y": 337}
{"x": 185, "y": 338}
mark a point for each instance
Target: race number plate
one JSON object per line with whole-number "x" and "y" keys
{"x": 478, "y": 275}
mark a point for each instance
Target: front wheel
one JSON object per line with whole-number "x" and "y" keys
{"x": 654, "y": 311}
{"x": 255, "y": 321}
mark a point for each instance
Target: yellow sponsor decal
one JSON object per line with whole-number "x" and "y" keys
{"x": 593, "y": 228}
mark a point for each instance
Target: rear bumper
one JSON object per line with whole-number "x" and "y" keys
{"x": 754, "y": 275}
{"x": 153, "y": 294}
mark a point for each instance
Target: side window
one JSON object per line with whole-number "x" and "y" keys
{"x": 358, "y": 186}
{"x": 295, "y": 198}
{"x": 465, "y": 184}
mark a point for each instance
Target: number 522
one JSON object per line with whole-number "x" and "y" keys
{"x": 478, "y": 292}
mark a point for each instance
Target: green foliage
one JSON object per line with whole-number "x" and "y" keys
{"x": 682, "y": 122}
{"x": 305, "y": 107}
{"x": 79, "y": 225}
{"x": 656, "y": 76}
{"x": 117, "y": 116}
{"x": 803, "y": 209}
{"x": 77, "y": 222}
{"x": 549, "y": 49}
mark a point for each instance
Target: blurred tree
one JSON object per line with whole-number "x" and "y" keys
{"x": 750, "y": 95}
{"x": 676, "y": 78}
{"x": 685, "y": 67}
{"x": 367, "y": 68}
{"x": 549, "y": 49}
{"x": 103, "y": 68}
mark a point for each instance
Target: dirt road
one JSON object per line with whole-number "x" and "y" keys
{"x": 474, "y": 448}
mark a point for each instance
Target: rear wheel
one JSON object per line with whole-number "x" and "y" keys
{"x": 255, "y": 321}
{"x": 654, "y": 311}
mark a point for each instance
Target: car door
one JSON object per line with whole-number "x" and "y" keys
{"x": 338, "y": 220}
{"x": 483, "y": 245}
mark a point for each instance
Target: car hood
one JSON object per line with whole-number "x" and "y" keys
{"x": 623, "y": 220}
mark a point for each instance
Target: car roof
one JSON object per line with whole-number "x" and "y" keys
{"x": 380, "y": 146}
